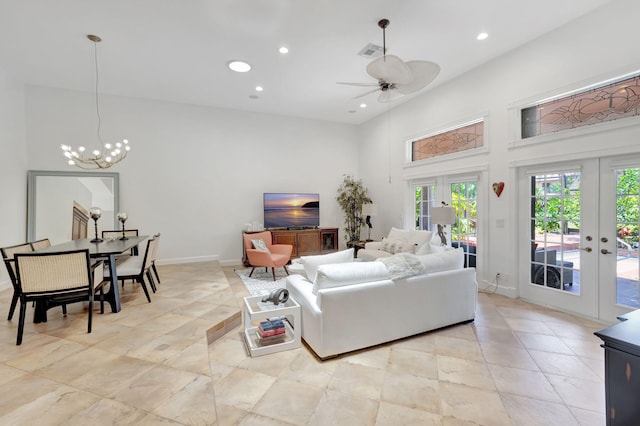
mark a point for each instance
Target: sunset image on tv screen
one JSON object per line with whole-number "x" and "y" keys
{"x": 291, "y": 210}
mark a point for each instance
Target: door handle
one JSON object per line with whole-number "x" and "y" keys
{"x": 587, "y": 249}
{"x": 605, "y": 251}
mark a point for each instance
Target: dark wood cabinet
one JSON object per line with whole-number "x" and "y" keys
{"x": 622, "y": 370}
{"x": 305, "y": 242}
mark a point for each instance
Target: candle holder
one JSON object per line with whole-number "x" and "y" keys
{"x": 95, "y": 213}
{"x": 122, "y": 217}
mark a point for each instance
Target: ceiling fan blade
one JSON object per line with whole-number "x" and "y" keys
{"x": 391, "y": 69}
{"x": 366, "y": 93}
{"x": 358, "y": 84}
{"x": 423, "y": 73}
{"x": 389, "y": 95}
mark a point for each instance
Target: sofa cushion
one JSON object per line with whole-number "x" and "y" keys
{"x": 444, "y": 261}
{"x": 343, "y": 274}
{"x": 416, "y": 237}
{"x": 430, "y": 248}
{"x": 311, "y": 263}
{"x": 397, "y": 246}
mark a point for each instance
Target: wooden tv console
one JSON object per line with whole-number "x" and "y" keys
{"x": 305, "y": 242}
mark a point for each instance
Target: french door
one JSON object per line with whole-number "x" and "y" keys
{"x": 579, "y": 236}
{"x": 462, "y": 194}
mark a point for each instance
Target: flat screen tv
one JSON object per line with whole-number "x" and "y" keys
{"x": 287, "y": 210}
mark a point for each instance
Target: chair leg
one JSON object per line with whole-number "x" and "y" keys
{"x": 90, "y": 313}
{"x": 285, "y": 269}
{"x": 252, "y": 269}
{"x": 102, "y": 299}
{"x": 64, "y": 309}
{"x": 23, "y": 311}
{"x": 144, "y": 287}
{"x": 155, "y": 271}
{"x": 273, "y": 272}
{"x": 151, "y": 281}
{"x": 14, "y": 302}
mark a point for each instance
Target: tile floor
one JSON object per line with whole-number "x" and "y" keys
{"x": 517, "y": 364}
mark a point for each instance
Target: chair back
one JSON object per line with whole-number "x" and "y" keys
{"x": 40, "y": 244}
{"x": 154, "y": 251}
{"x": 115, "y": 234}
{"x": 149, "y": 253}
{"x": 53, "y": 272}
{"x": 264, "y": 236}
{"x": 8, "y": 254}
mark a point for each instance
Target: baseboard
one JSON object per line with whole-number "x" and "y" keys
{"x": 177, "y": 260}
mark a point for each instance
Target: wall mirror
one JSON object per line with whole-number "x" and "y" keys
{"x": 56, "y": 199}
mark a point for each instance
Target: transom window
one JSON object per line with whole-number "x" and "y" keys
{"x": 607, "y": 102}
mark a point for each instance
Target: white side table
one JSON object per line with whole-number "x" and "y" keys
{"x": 254, "y": 311}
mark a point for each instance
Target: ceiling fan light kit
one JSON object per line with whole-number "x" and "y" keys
{"x": 396, "y": 77}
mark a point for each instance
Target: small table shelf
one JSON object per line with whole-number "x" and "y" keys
{"x": 254, "y": 311}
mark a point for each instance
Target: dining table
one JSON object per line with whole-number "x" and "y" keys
{"x": 107, "y": 250}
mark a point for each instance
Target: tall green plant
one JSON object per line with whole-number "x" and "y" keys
{"x": 352, "y": 195}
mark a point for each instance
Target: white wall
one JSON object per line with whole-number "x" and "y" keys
{"x": 13, "y": 168}
{"x": 595, "y": 47}
{"x": 195, "y": 174}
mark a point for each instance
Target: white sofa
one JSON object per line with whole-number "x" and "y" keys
{"x": 355, "y": 305}
{"x": 399, "y": 241}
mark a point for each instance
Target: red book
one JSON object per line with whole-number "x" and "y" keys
{"x": 268, "y": 333}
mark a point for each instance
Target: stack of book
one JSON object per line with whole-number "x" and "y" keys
{"x": 270, "y": 332}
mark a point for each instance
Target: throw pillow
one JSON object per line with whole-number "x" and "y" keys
{"x": 343, "y": 274}
{"x": 260, "y": 245}
{"x": 396, "y": 246}
{"x": 445, "y": 261}
{"x": 403, "y": 265}
{"x": 311, "y": 263}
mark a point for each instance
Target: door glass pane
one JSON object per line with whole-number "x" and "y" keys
{"x": 464, "y": 233}
{"x": 555, "y": 231}
{"x": 627, "y": 265}
{"x": 425, "y": 199}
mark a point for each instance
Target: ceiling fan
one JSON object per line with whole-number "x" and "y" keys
{"x": 396, "y": 77}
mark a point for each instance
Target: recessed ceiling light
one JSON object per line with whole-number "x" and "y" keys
{"x": 482, "y": 36}
{"x": 284, "y": 50}
{"x": 363, "y": 105}
{"x": 238, "y": 66}
{"x": 259, "y": 88}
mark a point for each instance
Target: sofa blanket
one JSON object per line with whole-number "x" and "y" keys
{"x": 341, "y": 318}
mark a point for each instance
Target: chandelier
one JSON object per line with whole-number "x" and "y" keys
{"x": 108, "y": 154}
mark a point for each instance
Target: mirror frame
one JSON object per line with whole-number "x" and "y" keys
{"x": 32, "y": 176}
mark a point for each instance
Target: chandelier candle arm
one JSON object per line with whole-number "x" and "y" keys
{"x": 108, "y": 154}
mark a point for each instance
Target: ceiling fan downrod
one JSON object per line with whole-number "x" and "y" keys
{"x": 384, "y": 23}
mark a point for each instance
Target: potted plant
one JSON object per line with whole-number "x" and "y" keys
{"x": 352, "y": 195}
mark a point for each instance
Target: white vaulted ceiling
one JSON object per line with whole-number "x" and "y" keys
{"x": 177, "y": 50}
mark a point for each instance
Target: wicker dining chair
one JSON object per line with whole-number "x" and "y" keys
{"x": 40, "y": 244}
{"x": 57, "y": 278}
{"x": 137, "y": 267}
{"x": 8, "y": 254}
{"x": 115, "y": 234}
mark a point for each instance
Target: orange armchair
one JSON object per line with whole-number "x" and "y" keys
{"x": 275, "y": 255}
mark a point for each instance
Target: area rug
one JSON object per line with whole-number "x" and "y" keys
{"x": 261, "y": 282}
